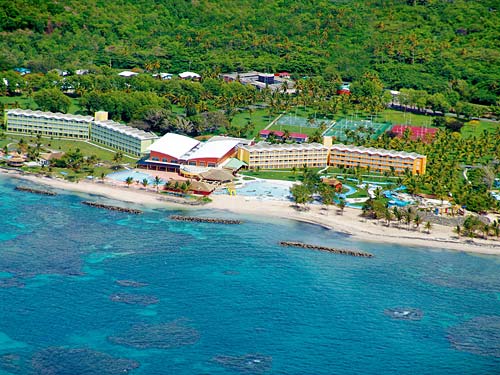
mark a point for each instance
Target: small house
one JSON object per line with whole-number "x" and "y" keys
{"x": 333, "y": 182}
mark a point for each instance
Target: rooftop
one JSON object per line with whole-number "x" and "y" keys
{"x": 127, "y": 73}
{"x": 264, "y": 146}
{"x": 189, "y": 75}
{"x": 378, "y": 151}
{"x": 175, "y": 145}
{"x": 49, "y": 115}
{"x": 128, "y": 130}
{"x": 212, "y": 149}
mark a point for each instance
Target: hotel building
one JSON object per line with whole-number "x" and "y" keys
{"x": 99, "y": 129}
{"x": 121, "y": 137}
{"x": 48, "y": 124}
{"x": 283, "y": 156}
{"x": 377, "y": 159}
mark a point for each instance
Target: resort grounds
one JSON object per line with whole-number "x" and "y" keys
{"x": 254, "y": 207}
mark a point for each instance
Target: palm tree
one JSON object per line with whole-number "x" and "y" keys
{"x": 341, "y": 205}
{"x": 129, "y": 181}
{"x": 327, "y": 194}
{"x": 388, "y": 216}
{"x": 407, "y": 218}
{"x": 145, "y": 183}
{"x": 417, "y": 220}
{"x": 428, "y": 227}
{"x": 397, "y": 214}
{"x": 495, "y": 227}
{"x": 156, "y": 182}
{"x": 117, "y": 158}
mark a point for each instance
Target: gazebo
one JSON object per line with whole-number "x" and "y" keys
{"x": 218, "y": 175}
{"x": 16, "y": 161}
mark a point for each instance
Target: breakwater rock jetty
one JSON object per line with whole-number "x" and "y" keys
{"x": 112, "y": 208}
{"x": 353, "y": 253}
{"x": 197, "y": 219}
{"x": 35, "y": 191}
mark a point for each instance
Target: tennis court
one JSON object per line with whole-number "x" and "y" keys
{"x": 346, "y": 129}
{"x": 291, "y": 120}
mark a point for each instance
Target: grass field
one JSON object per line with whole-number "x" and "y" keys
{"x": 472, "y": 128}
{"x": 278, "y": 174}
{"x": 26, "y": 102}
{"x": 275, "y": 174}
{"x": 66, "y": 145}
{"x": 259, "y": 117}
{"x": 405, "y": 118}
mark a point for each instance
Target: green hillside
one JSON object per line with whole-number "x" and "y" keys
{"x": 421, "y": 44}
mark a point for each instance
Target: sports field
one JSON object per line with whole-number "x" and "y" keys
{"x": 298, "y": 121}
{"x": 346, "y": 129}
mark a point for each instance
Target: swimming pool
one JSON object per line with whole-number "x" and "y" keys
{"x": 394, "y": 200}
{"x": 137, "y": 176}
{"x": 264, "y": 189}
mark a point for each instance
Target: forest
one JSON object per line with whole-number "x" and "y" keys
{"x": 431, "y": 45}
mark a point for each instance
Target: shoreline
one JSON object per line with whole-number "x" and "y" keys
{"x": 349, "y": 223}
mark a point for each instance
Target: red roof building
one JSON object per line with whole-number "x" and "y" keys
{"x": 416, "y": 132}
{"x": 173, "y": 150}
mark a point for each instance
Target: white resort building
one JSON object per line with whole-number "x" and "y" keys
{"x": 48, "y": 124}
{"x": 97, "y": 129}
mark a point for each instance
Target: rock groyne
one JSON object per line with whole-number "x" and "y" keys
{"x": 35, "y": 191}
{"x": 197, "y": 219}
{"x": 112, "y": 208}
{"x": 353, "y": 253}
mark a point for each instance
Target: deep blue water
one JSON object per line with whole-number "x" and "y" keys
{"x": 226, "y": 299}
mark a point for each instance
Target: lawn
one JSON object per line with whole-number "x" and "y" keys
{"x": 18, "y": 102}
{"x": 405, "y": 118}
{"x": 259, "y": 117}
{"x": 71, "y": 175}
{"x": 86, "y": 148}
{"x": 275, "y": 174}
{"x": 475, "y": 128}
{"x": 67, "y": 145}
{"x": 25, "y": 102}
{"x": 278, "y": 174}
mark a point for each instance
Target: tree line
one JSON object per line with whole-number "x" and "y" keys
{"x": 424, "y": 45}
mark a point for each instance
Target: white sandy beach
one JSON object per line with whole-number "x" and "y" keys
{"x": 350, "y": 222}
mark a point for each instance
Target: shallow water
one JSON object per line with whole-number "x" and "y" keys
{"x": 227, "y": 299}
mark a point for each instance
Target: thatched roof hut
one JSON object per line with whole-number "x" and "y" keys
{"x": 218, "y": 175}
{"x": 16, "y": 161}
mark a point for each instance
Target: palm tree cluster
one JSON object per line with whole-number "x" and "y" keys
{"x": 377, "y": 208}
{"x": 474, "y": 227}
{"x": 311, "y": 184}
{"x": 447, "y": 156}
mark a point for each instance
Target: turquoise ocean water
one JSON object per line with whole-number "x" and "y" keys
{"x": 89, "y": 291}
